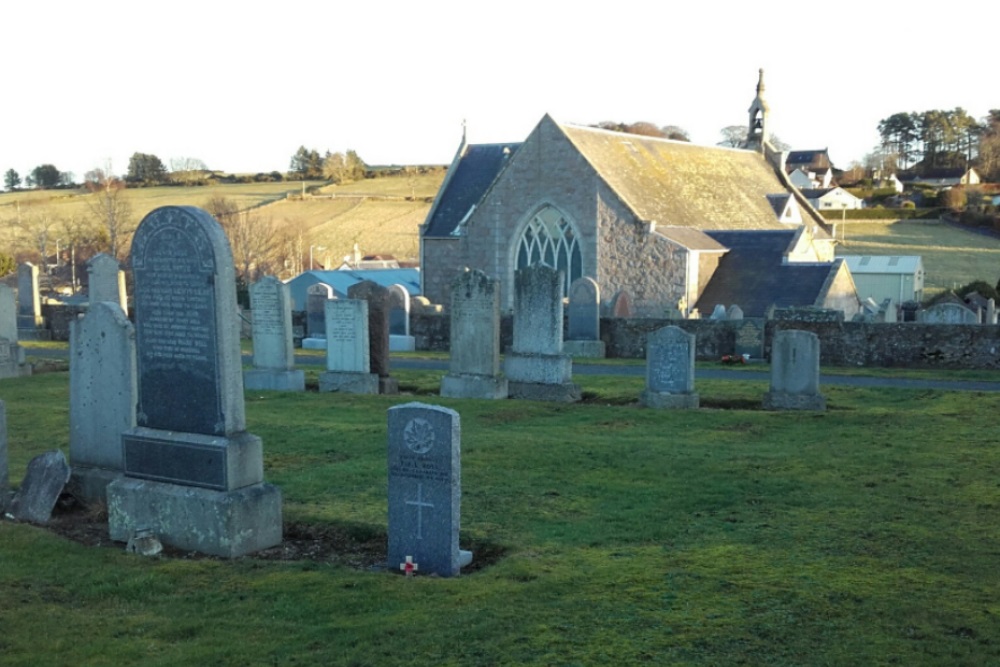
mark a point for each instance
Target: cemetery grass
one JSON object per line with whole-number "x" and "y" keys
{"x": 614, "y": 535}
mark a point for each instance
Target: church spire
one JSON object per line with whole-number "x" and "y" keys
{"x": 757, "y": 131}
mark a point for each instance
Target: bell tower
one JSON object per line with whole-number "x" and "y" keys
{"x": 757, "y": 131}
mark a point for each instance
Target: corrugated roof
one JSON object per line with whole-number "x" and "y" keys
{"x": 340, "y": 281}
{"x": 752, "y": 276}
{"x": 907, "y": 264}
{"x": 679, "y": 184}
{"x": 471, "y": 175}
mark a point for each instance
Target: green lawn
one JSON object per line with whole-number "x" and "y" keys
{"x": 865, "y": 535}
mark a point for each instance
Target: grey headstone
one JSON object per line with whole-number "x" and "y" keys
{"x": 794, "y": 372}
{"x": 45, "y": 479}
{"x": 425, "y": 488}
{"x": 273, "y": 355}
{"x": 102, "y": 396}
{"x": 106, "y": 281}
{"x": 948, "y": 313}
{"x": 719, "y": 313}
{"x": 584, "y": 310}
{"x": 4, "y": 469}
{"x": 474, "y": 364}
{"x": 670, "y": 369}
{"x": 29, "y": 304}
{"x": 347, "y": 336}
{"x": 399, "y": 311}
{"x": 12, "y": 363}
{"x": 621, "y": 305}
{"x": 734, "y": 313}
{"x": 749, "y": 338}
{"x": 8, "y": 314}
{"x": 378, "y": 322}
{"x": 316, "y": 297}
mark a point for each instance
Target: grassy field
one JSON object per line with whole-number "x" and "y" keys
{"x": 865, "y": 535}
{"x": 952, "y": 257}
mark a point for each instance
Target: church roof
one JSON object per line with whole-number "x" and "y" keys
{"x": 752, "y": 275}
{"x": 470, "y": 175}
{"x": 680, "y": 184}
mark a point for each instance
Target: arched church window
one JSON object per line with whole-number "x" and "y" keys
{"x": 550, "y": 239}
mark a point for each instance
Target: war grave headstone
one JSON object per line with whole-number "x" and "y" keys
{"x": 400, "y": 339}
{"x": 794, "y": 372}
{"x": 102, "y": 396}
{"x": 670, "y": 369}
{"x": 378, "y": 331}
{"x": 749, "y": 339}
{"x": 536, "y": 367}
{"x": 425, "y": 490}
{"x": 12, "y": 362}
{"x": 273, "y": 355}
{"x": 106, "y": 281}
{"x": 193, "y": 475}
{"x": 348, "y": 360}
{"x": 316, "y": 297}
{"x": 474, "y": 364}
{"x": 621, "y": 305}
{"x": 947, "y": 313}
{"x": 583, "y": 328}
{"x": 43, "y": 482}
{"x": 4, "y": 466}
{"x": 30, "y": 325}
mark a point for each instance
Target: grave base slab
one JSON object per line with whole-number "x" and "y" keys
{"x": 89, "y": 484}
{"x": 349, "y": 383}
{"x": 388, "y": 385}
{"x": 314, "y": 343}
{"x": 780, "y": 400}
{"x": 474, "y": 386}
{"x": 400, "y": 343}
{"x": 538, "y": 368}
{"x": 667, "y": 401}
{"x": 274, "y": 380}
{"x": 565, "y": 392}
{"x": 220, "y": 523}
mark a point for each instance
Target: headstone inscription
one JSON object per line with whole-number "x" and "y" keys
{"x": 12, "y": 361}
{"x": 425, "y": 489}
{"x": 44, "y": 480}
{"x": 474, "y": 365}
{"x": 348, "y": 360}
{"x": 193, "y": 475}
{"x": 273, "y": 355}
{"x": 106, "y": 281}
{"x": 749, "y": 338}
{"x": 316, "y": 297}
{"x": 378, "y": 331}
{"x": 102, "y": 396}
{"x": 400, "y": 339}
{"x": 4, "y": 469}
{"x": 794, "y": 372}
{"x": 583, "y": 337}
{"x": 670, "y": 369}
{"x": 536, "y": 367}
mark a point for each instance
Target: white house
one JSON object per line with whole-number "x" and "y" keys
{"x": 832, "y": 198}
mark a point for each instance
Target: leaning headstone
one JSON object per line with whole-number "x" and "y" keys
{"x": 378, "y": 331}
{"x": 316, "y": 297}
{"x": 193, "y": 475}
{"x": 583, "y": 336}
{"x": 734, "y": 313}
{"x": 102, "y": 396}
{"x": 29, "y": 304}
{"x": 106, "y": 281}
{"x": 12, "y": 361}
{"x": 670, "y": 369}
{"x": 43, "y": 482}
{"x": 4, "y": 470}
{"x": 474, "y": 364}
{"x": 273, "y": 356}
{"x": 425, "y": 490}
{"x": 794, "y": 372}
{"x": 348, "y": 360}
{"x": 621, "y": 305}
{"x": 749, "y": 338}
{"x": 536, "y": 367}
{"x": 400, "y": 339}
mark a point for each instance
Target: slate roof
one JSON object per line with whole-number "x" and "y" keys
{"x": 816, "y": 193}
{"x": 470, "y": 175}
{"x": 680, "y": 184}
{"x": 820, "y": 159}
{"x": 752, "y": 276}
{"x": 779, "y": 203}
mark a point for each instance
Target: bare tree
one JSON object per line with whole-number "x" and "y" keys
{"x": 187, "y": 170}
{"x": 110, "y": 209}
{"x": 733, "y": 136}
{"x": 252, "y": 236}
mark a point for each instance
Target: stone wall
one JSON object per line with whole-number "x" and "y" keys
{"x": 58, "y": 317}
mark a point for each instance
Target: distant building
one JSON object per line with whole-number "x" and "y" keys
{"x": 832, "y": 199}
{"x": 942, "y": 178}
{"x": 880, "y": 277}
{"x": 340, "y": 281}
{"x": 809, "y": 169}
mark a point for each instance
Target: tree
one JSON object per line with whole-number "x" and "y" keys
{"x": 110, "y": 209}
{"x": 356, "y": 167}
{"x": 252, "y": 236}
{"x": 733, "y": 136}
{"x": 11, "y": 179}
{"x": 45, "y": 176}
{"x": 989, "y": 146}
{"x": 778, "y": 144}
{"x": 675, "y": 132}
{"x": 145, "y": 169}
{"x": 187, "y": 170}
{"x": 306, "y": 164}
{"x": 335, "y": 167}
{"x": 899, "y": 134}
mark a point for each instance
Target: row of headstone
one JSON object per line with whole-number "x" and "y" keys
{"x": 273, "y": 354}
{"x": 721, "y": 313}
{"x": 12, "y": 360}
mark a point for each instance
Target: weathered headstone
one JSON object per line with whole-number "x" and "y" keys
{"x": 4, "y": 469}
{"x": 316, "y": 297}
{"x": 749, "y": 338}
{"x": 12, "y": 362}
{"x": 348, "y": 360}
{"x": 948, "y": 313}
{"x": 43, "y": 482}
{"x": 583, "y": 337}
{"x": 378, "y": 331}
{"x": 400, "y": 339}
{"x": 734, "y": 313}
{"x": 991, "y": 312}
{"x": 273, "y": 355}
{"x": 425, "y": 489}
{"x": 536, "y": 367}
{"x": 719, "y": 313}
{"x": 194, "y": 476}
{"x": 670, "y": 369}
{"x": 474, "y": 364}
{"x": 794, "y": 372}
{"x": 106, "y": 281}
{"x": 621, "y": 305}
{"x": 102, "y": 396}
{"x": 30, "y": 325}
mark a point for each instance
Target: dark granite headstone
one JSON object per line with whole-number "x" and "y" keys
{"x": 749, "y": 338}
{"x": 316, "y": 297}
{"x": 378, "y": 322}
{"x": 584, "y": 310}
{"x": 399, "y": 311}
{"x": 45, "y": 479}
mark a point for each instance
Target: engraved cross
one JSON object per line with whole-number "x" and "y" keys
{"x": 420, "y": 504}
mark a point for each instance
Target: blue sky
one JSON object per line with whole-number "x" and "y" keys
{"x": 241, "y": 86}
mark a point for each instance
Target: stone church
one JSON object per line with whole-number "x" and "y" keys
{"x": 675, "y": 226}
